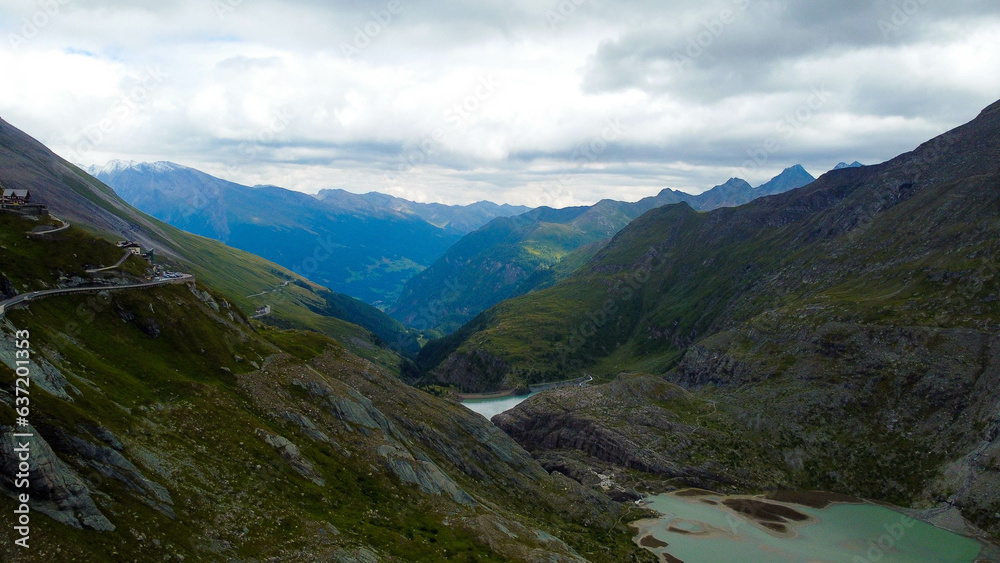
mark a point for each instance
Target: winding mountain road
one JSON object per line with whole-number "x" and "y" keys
{"x": 116, "y": 264}
{"x": 65, "y": 225}
{"x": 34, "y": 295}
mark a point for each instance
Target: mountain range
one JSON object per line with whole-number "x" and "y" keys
{"x": 166, "y": 424}
{"x": 513, "y": 256}
{"x": 458, "y": 219}
{"x": 838, "y": 337}
{"x": 365, "y": 246}
{"x": 248, "y": 280}
{"x": 843, "y": 336}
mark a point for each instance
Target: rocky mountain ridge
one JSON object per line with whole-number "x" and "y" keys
{"x": 839, "y": 337}
{"x": 513, "y": 256}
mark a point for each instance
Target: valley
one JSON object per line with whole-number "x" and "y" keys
{"x": 837, "y": 335}
{"x": 314, "y": 452}
{"x": 477, "y": 282}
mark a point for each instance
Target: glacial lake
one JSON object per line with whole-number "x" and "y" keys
{"x": 491, "y": 407}
{"x": 701, "y": 527}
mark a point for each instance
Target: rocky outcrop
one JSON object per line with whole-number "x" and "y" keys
{"x": 45, "y": 376}
{"x": 7, "y": 289}
{"x": 355, "y": 555}
{"x": 290, "y": 453}
{"x": 573, "y": 431}
{"x": 423, "y": 473}
{"x": 205, "y": 297}
{"x": 358, "y": 414}
{"x": 111, "y": 464}
{"x": 56, "y": 489}
{"x": 308, "y": 427}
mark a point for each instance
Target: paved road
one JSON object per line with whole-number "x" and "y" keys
{"x": 25, "y": 297}
{"x": 64, "y": 226}
{"x": 118, "y": 263}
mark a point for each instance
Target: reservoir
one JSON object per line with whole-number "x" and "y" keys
{"x": 491, "y": 407}
{"x": 699, "y": 526}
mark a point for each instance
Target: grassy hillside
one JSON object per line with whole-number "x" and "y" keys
{"x": 514, "y": 256}
{"x": 248, "y": 281}
{"x": 169, "y": 426}
{"x": 848, "y": 329}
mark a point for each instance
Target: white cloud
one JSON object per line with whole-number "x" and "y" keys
{"x": 456, "y": 101}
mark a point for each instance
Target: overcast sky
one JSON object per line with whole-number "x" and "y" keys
{"x": 535, "y": 102}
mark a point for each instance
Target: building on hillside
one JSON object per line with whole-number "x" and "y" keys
{"x": 133, "y": 247}
{"x": 16, "y": 197}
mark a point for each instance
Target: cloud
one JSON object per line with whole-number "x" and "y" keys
{"x": 509, "y": 101}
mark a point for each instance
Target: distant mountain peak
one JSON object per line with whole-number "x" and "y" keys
{"x": 118, "y": 166}
{"x": 843, "y": 165}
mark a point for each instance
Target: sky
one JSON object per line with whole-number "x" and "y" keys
{"x": 532, "y": 102}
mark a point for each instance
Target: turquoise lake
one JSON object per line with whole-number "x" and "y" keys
{"x": 708, "y": 528}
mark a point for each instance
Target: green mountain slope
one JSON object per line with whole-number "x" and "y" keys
{"x": 367, "y": 251}
{"x": 247, "y": 280}
{"x": 513, "y": 256}
{"x": 167, "y": 426}
{"x": 843, "y": 336}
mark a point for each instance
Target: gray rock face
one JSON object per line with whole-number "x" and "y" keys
{"x": 205, "y": 297}
{"x": 356, "y": 410}
{"x": 416, "y": 468}
{"x": 104, "y": 435}
{"x": 56, "y": 489}
{"x": 113, "y": 465}
{"x": 355, "y": 555}
{"x": 308, "y": 427}
{"x": 7, "y": 289}
{"x": 290, "y": 452}
{"x": 423, "y": 473}
{"x": 352, "y": 407}
{"x": 640, "y": 437}
{"x": 44, "y": 374}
